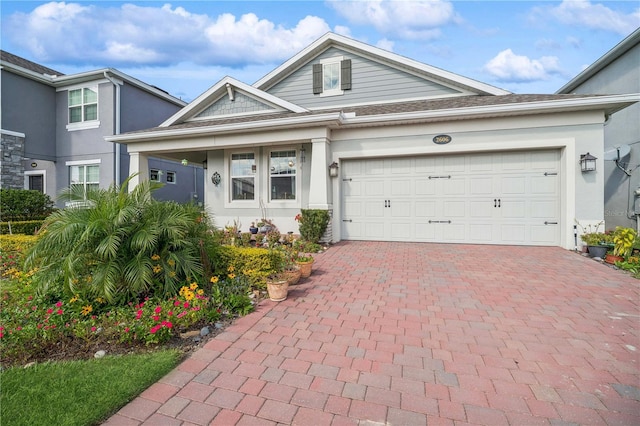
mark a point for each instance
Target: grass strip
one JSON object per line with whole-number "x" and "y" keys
{"x": 78, "y": 392}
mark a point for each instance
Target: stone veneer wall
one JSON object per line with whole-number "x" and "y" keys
{"x": 11, "y": 169}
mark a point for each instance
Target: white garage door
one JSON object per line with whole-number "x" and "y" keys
{"x": 489, "y": 198}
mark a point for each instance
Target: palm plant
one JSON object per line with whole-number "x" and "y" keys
{"x": 118, "y": 245}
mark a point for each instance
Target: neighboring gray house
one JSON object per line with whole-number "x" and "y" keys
{"x": 394, "y": 149}
{"x": 53, "y": 128}
{"x": 618, "y": 71}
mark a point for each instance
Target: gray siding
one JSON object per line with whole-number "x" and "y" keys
{"x": 620, "y": 77}
{"x": 241, "y": 104}
{"x": 372, "y": 82}
{"x": 142, "y": 110}
{"x": 29, "y": 107}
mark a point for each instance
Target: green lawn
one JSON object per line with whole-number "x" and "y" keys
{"x": 78, "y": 392}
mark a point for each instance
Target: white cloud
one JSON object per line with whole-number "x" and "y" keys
{"x": 385, "y": 44}
{"x": 509, "y": 67}
{"x": 414, "y": 20}
{"x": 583, "y": 13}
{"x": 146, "y": 35}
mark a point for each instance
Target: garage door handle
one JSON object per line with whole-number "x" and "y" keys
{"x": 550, "y": 223}
{"x": 496, "y": 202}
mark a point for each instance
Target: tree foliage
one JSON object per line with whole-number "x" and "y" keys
{"x": 119, "y": 245}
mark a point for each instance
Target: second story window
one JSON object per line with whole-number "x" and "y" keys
{"x": 83, "y": 105}
{"x": 154, "y": 175}
{"x": 171, "y": 177}
{"x": 332, "y": 76}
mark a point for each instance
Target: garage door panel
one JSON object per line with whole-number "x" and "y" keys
{"x": 513, "y": 209}
{"x": 374, "y": 209}
{"x": 400, "y": 187}
{"x": 544, "y": 234}
{"x": 481, "y": 232}
{"x": 514, "y": 185}
{"x": 481, "y": 209}
{"x": 492, "y": 198}
{"x": 401, "y": 209}
{"x": 481, "y": 186}
{"x": 544, "y": 209}
{"x": 513, "y": 233}
{"x": 455, "y": 163}
{"x": 425, "y": 209}
{"x": 352, "y": 189}
{"x": 425, "y": 165}
{"x": 454, "y": 186}
{"x": 425, "y": 187}
{"x": 374, "y": 188}
{"x": 454, "y": 232}
{"x": 544, "y": 185}
{"x": 401, "y": 231}
{"x": 401, "y": 166}
{"x": 374, "y": 230}
{"x": 455, "y": 209}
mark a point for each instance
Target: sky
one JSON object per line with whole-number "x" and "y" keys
{"x": 185, "y": 47}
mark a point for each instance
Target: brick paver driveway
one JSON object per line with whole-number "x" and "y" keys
{"x": 414, "y": 334}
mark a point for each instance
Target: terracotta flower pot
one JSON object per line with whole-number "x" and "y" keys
{"x": 278, "y": 289}
{"x": 293, "y": 276}
{"x": 305, "y": 268}
{"x": 612, "y": 259}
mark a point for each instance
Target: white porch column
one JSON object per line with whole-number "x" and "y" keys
{"x": 138, "y": 163}
{"x": 319, "y": 184}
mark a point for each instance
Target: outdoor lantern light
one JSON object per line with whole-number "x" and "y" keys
{"x": 185, "y": 162}
{"x": 587, "y": 162}
{"x": 215, "y": 178}
{"x": 333, "y": 169}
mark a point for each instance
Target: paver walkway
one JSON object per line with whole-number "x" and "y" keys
{"x": 414, "y": 334}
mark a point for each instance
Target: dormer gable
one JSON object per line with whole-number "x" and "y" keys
{"x": 231, "y": 98}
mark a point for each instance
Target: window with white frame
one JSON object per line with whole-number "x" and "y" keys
{"x": 154, "y": 175}
{"x": 243, "y": 176}
{"x": 171, "y": 177}
{"x": 83, "y": 105}
{"x": 282, "y": 175}
{"x": 86, "y": 177}
{"x": 332, "y": 76}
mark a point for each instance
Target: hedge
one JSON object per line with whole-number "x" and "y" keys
{"x": 26, "y": 227}
{"x": 253, "y": 262}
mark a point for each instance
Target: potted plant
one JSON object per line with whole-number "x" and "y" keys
{"x": 623, "y": 240}
{"x": 253, "y": 228}
{"x": 277, "y": 282}
{"x": 595, "y": 242}
{"x": 304, "y": 262}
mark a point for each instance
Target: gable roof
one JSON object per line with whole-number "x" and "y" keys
{"x": 27, "y": 64}
{"x": 394, "y": 60}
{"x": 50, "y": 77}
{"x": 222, "y": 88}
{"x": 620, "y": 49}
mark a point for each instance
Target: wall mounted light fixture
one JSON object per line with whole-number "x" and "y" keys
{"x": 587, "y": 162}
{"x": 216, "y": 178}
{"x": 185, "y": 162}
{"x": 333, "y": 169}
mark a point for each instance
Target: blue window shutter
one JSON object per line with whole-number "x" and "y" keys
{"x": 317, "y": 78}
{"x": 345, "y": 74}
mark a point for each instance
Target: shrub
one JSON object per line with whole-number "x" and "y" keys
{"x": 313, "y": 224}
{"x": 119, "y": 245}
{"x": 24, "y": 204}
{"x": 255, "y": 263}
{"x": 26, "y": 227}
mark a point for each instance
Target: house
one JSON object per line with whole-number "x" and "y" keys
{"x": 394, "y": 149}
{"x": 618, "y": 71}
{"x": 53, "y": 129}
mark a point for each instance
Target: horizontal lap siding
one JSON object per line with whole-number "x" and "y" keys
{"x": 372, "y": 82}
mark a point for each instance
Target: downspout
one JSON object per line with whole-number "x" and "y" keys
{"x": 116, "y": 178}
